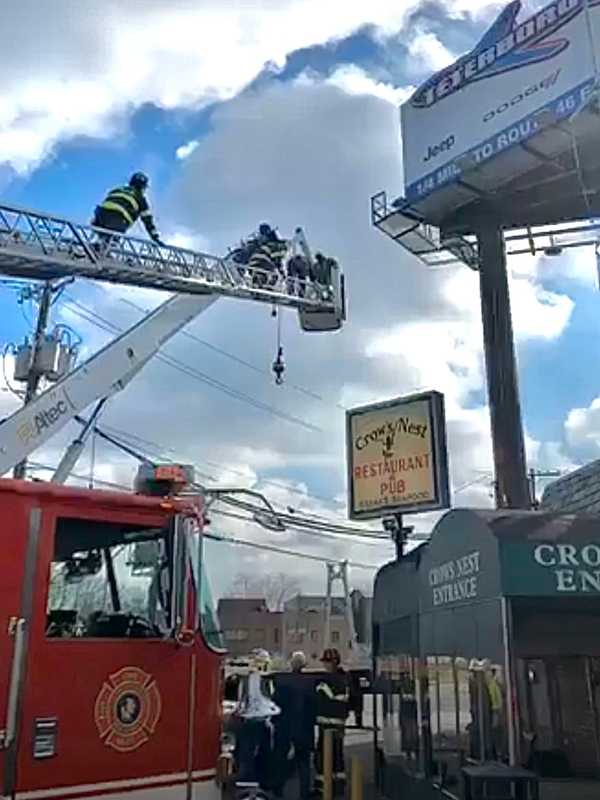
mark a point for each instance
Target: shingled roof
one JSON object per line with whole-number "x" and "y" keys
{"x": 579, "y": 491}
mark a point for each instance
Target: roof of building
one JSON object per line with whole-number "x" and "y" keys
{"x": 577, "y": 491}
{"x": 242, "y": 605}
{"x": 308, "y": 602}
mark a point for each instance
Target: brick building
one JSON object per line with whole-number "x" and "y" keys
{"x": 304, "y": 627}
{"x": 248, "y": 624}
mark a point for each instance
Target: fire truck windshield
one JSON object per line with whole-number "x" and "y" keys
{"x": 110, "y": 580}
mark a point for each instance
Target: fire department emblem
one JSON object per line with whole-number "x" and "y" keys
{"x": 127, "y": 709}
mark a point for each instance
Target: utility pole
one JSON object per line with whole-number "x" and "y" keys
{"x": 503, "y": 389}
{"x": 539, "y": 473}
{"x": 394, "y": 525}
{"x": 33, "y": 379}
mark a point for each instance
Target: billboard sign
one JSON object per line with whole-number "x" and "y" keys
{"x": 492, "y": 98}
{"x": 397, "y": 457}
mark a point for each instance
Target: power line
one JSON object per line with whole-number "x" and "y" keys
{"x": 332, "y": 537}
{"x": 228, "y": 539}
{"x": 243, "y": 362}
{"x": 96, "y": 319}
{"x": 36, "y": 465}
{"x": 90, "y": 316}
{"x": 295, "y": 521}
{"x": 105, "y": 324}
{"x": 285, "y": 551}
{"x": 160, "y": 451}
{"x": 299, "y": 521}
{"x": 303, "y": 523}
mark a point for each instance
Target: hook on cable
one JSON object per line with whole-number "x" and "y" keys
{"x": 279, "y": 363}
{"x": 279, "y": 367}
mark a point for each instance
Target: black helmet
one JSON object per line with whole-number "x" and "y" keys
{"x": 264, "y": 229}
{"x": 138, "y": 180}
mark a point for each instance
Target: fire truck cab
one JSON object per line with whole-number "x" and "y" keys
{"x": 110, "y": 661}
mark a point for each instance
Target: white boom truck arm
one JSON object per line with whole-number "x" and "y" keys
{"x": 39, "y": 246}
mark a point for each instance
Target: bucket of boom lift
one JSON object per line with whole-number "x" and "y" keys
{"x": 332, "y": 314}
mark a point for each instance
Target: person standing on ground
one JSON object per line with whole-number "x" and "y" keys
{"x": 294, "y": 727}
{"x": 332, "y": 693}
{"x": 255, "y": 713}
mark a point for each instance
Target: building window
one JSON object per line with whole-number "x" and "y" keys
{"x": 314, "y": 636}
{"x": 335, "y": 636}
{"x": 236, "y": 634}
{"x": 276, "y": 635}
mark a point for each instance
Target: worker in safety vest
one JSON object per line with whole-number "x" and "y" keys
{"x": 266, "y": 256}
{"x": 332, "y": 705}
{"x": 123, "y": 206}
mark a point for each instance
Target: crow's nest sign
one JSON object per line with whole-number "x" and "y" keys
{"x": 397, "y": 457}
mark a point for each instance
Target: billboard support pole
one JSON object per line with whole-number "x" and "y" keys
{"x": 503, "y": 389}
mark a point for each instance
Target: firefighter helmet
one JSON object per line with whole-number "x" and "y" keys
{"x": 139, "y": 180}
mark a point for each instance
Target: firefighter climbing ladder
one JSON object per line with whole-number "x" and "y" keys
{"x": 38, "y": 246}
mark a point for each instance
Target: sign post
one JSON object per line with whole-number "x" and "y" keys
{"x": 510, "y": 467}
{"x": 397, "y": 460}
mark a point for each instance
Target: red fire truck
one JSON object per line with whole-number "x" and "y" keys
{"x": 110, "y": 669}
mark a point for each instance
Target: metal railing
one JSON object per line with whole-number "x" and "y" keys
{"x": 424, "y": 240}
{"x": 420, "y": 238}
{"x": 38, "y": 246}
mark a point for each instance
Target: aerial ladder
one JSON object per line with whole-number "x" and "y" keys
{"x": 42, "y": 247}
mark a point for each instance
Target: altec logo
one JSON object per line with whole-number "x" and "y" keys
{"x": 506, "y": 46}
{"x": 46, "y": 418}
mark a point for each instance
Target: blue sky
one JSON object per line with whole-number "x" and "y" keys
{"x": 299, "y": 125}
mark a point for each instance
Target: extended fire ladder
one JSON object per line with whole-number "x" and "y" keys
{"x": 37, "y": 246}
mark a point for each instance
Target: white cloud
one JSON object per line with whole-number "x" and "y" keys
{"x": 87, "y": 78}
{"x": 355, "y": 81}
{"x": 537, "y": 312}
{"x": 582, "y": 430}
{"x": 576, "y": 265}
{"x": 186, "y": 150}
{"x": 428, "y": 53}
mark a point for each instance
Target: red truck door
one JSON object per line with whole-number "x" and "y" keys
{"x": 106, "y": 701}
{"x": 21, "y": 528}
